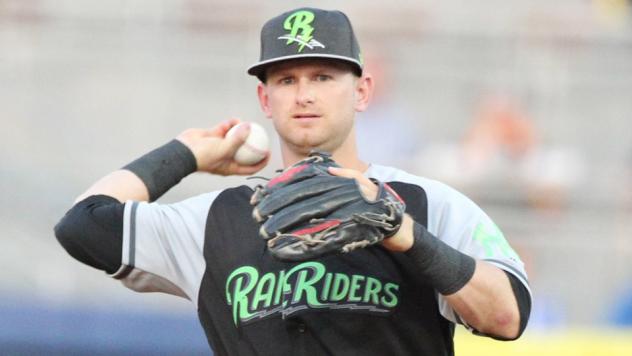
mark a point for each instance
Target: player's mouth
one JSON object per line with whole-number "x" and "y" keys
{"x": 305, "y": 116}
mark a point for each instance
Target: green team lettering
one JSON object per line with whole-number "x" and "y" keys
{"x": 340, "y": 287}
{"x": 265, "y": 291}
{"x": 299, "y": 21}
{"x": 355, "y": 285}
{"x": 306, "y": 285}
{"x": 389, "y": 290}
{"x": 325, "y": 292}
{"x": 372, "y": 290}
{"x": 240, "y": 293}
{"x": 279, "y": 287}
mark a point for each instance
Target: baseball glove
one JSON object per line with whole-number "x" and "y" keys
{"x": 306, "y": 212}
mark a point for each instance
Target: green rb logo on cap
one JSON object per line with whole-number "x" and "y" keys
{"x": 307, "y": 33}
{"x": 300, "y": 21}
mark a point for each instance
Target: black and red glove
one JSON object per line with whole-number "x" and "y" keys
{"x": 306, "y": 212}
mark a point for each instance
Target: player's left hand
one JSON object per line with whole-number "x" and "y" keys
{"x": 367, "y": 188}
{"x": 402, "y": 240}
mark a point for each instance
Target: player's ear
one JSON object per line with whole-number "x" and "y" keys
{"x": 363, "y": 91}
{"x": 262, "y": 93}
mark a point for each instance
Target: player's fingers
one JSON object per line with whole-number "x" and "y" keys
{"x": 222, "y": 128}
{"x": 226, "y": 145}
{"x": 246, "y": 170}
{"x": 237, "y": 138}
{"x": 349, "y": 173}
{"x": 368, "y": 188}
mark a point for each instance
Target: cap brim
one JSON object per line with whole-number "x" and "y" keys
{"x": 258, "y": 68}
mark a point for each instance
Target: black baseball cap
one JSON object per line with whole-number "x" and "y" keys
{"x": 307, "y": 33}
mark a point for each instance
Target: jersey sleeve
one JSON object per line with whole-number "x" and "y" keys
{"x": 163, "y": 246}
{"x": 460, "y": 223}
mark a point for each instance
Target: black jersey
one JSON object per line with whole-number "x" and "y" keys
{"x": 367, "y": 302}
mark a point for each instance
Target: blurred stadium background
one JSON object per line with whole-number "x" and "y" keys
{"x": 522, "y": 105}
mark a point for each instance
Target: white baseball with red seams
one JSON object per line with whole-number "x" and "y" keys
{"x": 256, "y": 146}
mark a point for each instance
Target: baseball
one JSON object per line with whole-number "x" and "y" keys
{"x": 256, "y": 146}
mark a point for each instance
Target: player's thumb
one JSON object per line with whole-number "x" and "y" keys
{"x": 236, "y": 138}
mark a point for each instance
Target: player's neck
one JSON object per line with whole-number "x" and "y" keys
{"x": 346, "y": 156}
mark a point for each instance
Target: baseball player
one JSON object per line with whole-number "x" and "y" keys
{"x": 332, "y": 256}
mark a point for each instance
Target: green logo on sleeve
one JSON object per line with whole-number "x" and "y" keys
{"x": 493, "y": 241}
{"x": 301, "y": 30}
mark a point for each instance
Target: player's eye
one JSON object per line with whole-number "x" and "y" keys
{"x": 286, "y": 80}
{"x": 323, "y": 77}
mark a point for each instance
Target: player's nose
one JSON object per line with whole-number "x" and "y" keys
{"x": 305, "y": 94}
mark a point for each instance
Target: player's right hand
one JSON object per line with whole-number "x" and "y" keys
{"x": 214, "y": 151}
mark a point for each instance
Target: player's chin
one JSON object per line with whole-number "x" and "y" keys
{"x": 306, "y": 150}
{"x": 306, "y": 142}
